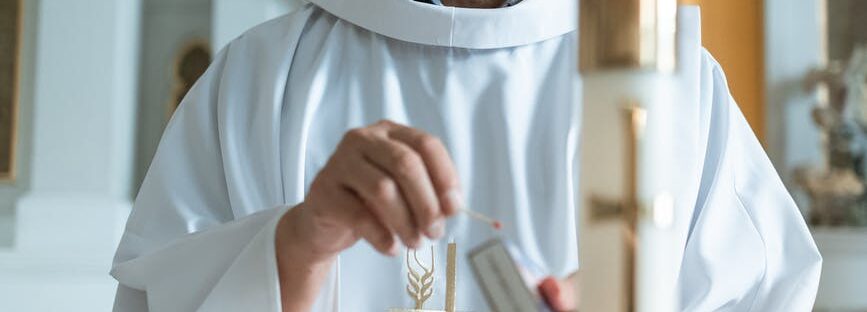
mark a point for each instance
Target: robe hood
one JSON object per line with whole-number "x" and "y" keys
{"x": 528, "y": 22}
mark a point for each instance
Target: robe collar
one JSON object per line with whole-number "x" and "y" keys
{"x": 507, "y": 3}
{"x": 527, "y": 22}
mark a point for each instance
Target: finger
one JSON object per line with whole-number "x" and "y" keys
{"x": 438, "y": 162}
{"x": 382, "y": 197}
{"x": 557, "y": 294}
{"x": 551, "y": 292}
{"x": 368, "y": 227}
{"x": 363, "y": 224}
{"x": 407, "y": 168}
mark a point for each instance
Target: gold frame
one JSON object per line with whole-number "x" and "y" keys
{"x": 11, "y": 174}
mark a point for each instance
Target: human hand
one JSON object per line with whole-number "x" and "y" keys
{"x": 383, "y": 181}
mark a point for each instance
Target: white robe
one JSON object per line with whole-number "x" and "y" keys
{"x": 496, "y": 86}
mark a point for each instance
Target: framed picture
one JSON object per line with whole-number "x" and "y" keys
{"x": 10, "y": 45}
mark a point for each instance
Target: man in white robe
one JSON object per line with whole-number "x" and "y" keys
{"x": 495, "y": 87}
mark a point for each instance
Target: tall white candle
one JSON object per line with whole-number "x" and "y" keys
{"x": 627, "y": 244}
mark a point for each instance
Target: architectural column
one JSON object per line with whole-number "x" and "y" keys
{"x": 67, "y": 225}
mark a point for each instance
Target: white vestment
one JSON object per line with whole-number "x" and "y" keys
{"x": 496, "y": 86}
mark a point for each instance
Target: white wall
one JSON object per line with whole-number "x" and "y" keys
{"x": 79, "y": 145}
{"x": 793, "y": 47}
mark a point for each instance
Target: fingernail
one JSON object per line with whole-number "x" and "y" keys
{"x": 436, "y": 230}
{"x": 455, "y": 200}
{"x": 413, "y": 243}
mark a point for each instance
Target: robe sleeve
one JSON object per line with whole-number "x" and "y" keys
{"x": 201, "y": 233}
{"x": 186, "y": 247}
{"x": 748, "y": 248}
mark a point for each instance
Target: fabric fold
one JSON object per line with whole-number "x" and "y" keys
{"x": 252, "y": 134}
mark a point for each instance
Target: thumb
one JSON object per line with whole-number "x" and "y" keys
{"x": 558, "y": 294}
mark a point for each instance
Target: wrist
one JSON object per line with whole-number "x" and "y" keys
{"x": 301, "y": 271}
{"x": 295, "y": 242}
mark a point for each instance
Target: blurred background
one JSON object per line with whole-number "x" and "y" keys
{"x": 87, "y": 86}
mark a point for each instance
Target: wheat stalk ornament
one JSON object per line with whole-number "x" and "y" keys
{"x": 420, "y": 280}
{"x": 420, "y": 285}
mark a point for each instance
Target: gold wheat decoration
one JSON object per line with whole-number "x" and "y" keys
{"x": 420, "y": 286}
